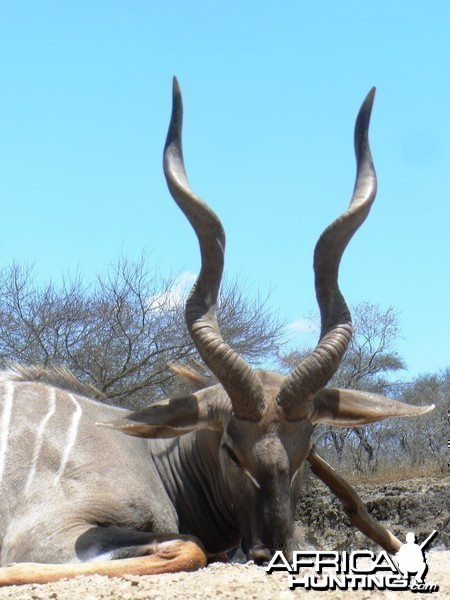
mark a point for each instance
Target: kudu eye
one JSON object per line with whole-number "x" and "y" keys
{"x": 231, "y": 455}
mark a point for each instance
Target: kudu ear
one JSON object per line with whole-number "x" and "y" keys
{"x": 191, "y": 377}
{"x": 205, "y": 409}
{"x": 350, "y": 408}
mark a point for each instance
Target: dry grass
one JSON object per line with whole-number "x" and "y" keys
{"x": 390, "y": 474}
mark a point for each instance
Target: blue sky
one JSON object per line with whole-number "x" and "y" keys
{"x": 271, "y": 93}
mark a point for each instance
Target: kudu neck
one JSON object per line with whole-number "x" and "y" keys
{"x": 191, "y": 472}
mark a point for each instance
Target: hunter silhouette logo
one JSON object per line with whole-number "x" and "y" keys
{"x": 411, "y": 557}
{"x": 358, "y": 570}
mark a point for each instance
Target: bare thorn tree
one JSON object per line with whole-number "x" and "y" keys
{"x": 369, "y": 363}
{"x": 120, "y": 332}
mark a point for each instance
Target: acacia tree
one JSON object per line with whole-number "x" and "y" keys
{"x": 369, "y": 364}
{"x": 120, "y": 332}
{"x": 371, "y": 357}
{"x": 425, "y": 439}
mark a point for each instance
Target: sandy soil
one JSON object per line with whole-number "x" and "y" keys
{"x": 218, "y": 581}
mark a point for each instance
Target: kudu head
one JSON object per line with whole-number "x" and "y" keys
{"x": 265, "y": 420}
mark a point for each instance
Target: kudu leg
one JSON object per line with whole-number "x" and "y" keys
{"x": 353, "y": 505}
{"x": 169, "y": 556}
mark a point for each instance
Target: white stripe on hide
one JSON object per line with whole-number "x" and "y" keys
{"x": 72, "y": 436}
{"x": 40, "y": 437}
{"x": 4, "y": 425}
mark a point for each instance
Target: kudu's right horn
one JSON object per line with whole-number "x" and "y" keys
{"x": 238, "y": 379}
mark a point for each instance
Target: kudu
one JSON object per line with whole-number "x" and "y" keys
{"x": 214, "y": 468}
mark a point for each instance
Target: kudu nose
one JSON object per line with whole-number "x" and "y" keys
{"x": 260, "y": 554}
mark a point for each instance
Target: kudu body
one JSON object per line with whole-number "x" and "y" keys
{"x": 222, "y": 464}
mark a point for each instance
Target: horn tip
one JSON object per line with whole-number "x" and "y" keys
{"x": 177, "y": 101}
{"x": 368, "y": 101}
{"x": 363, "y": 121}
{"x": 175, "y": 84}
{"x": 173, "y": 139}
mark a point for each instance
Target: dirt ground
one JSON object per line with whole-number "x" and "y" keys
{"x": 218, "y": 581}
{"x": 419, "y": 505}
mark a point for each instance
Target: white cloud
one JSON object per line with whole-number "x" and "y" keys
{"x": 175, "y": 295}
{"x": 303, "y": 326}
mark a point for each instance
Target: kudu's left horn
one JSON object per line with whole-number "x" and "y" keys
{"x": 317, "y": 368}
